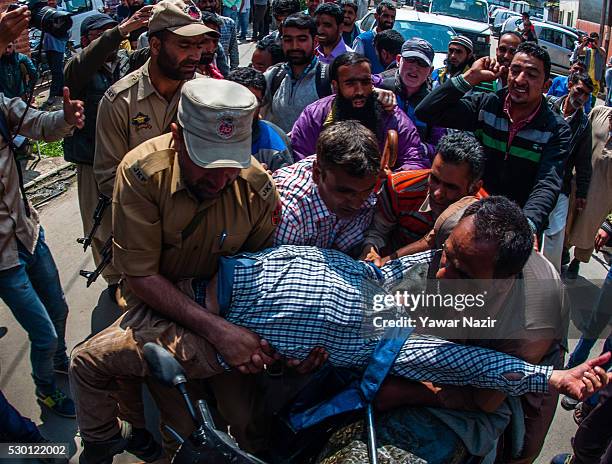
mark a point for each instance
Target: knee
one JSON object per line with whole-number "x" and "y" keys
{"x": 46, "y": 342}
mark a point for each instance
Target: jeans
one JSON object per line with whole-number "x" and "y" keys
{"x": 15, "y": 427}
{"x": 56, "y": 66}
{"x": 230, "y": 13}
{"x": 609, "y": 87}
{"x": 33, "y": 293}
{"x": 243, "y": 24}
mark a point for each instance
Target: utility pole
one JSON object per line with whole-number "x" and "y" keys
{"x": 602, "y": 22}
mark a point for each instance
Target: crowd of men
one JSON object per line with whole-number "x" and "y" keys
{"x": 252, "y": 211}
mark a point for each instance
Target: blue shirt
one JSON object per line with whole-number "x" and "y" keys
{"x": 52, "y": 43}
{"x": 559, "y": 89}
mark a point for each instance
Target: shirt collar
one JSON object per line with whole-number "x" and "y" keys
{"x": 339, "y": 49}
{"x": 426, "y": 206}
{"x": 524, "y": 122}
{"x": 145, "y": 86}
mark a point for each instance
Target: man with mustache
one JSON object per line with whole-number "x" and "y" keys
{"x": 329, "y": 18}
{"x": 211, "y": 48}
{"x": 364, "y": 43}
{"x": 506, "y": 48}
{"x": 228, "y": 38}
{"x": 350, "y": 30}
{"x": 559, "y": 86}
{"x": 459, "y": 59}
{"x": 356, "y": 100}
{"x": 525, "y": 143}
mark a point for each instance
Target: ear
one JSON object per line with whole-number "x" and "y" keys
{"x": 398, "y": 59}
{"x": 316, "y": 172}
{"x": 154, "y": 45}
{"x": 84, "y": 41}
{"x": 547, "y": 85}
{"x": 177, "y": 137}
{"x": 334, "y": 86}
{"x": 476, "y": 186}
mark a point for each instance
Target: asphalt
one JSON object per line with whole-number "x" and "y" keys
{"x": 91, "y": 309}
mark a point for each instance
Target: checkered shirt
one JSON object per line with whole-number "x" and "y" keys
{"x": 299, "y": 297}
{"x": 229, "y": 41}
{"x": 305, "y": 220}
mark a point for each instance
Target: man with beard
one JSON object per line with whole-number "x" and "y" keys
{"x": 228, "y": 38}
{"x": 88, "y": 75}
{"x": 270, "y": 146}
{"x": 506, "y": 48}
{"x": 364, "y": 43}
{"x": 349, "y": 29}
{"x": 329, "y": 18}
{"x": 356, "y": 100}
{"x": 570, "y": 107}
{"x": 208, "y": 63}
{"x": 143, "y": 104}
{"x": 459, "y": 59}
{"x": 560, "y": 87}
{"x": 525, "y": 143}
{"x": 17, "y": 73}
{"x": 388, "y": 45}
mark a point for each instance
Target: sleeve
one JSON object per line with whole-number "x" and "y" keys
{"x": 358, "y": 46}
{"x": 221, "y": 61}
{"x": 304, "y": 135}
{"x": 233, "y": 47}
{"x": 82, "y": 67}
{"x": 262, "y": 233}
{"x": 137, "y": 231}
{"x": 289, "y": 230}
{"x": 583, "y": 166}
{"x": 36, "y": 125}
{"x": 449, "y": 106}
{"x": 411, "y": 154}
{"x": 553, "y": 88}
{"x": 111, "y": 142}
{"x": 31, "y": 69}
{"x": 549, "y": 179}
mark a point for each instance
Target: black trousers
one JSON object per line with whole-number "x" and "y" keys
{"x": 594, "y": 435}
{"x": 259, "y": 18}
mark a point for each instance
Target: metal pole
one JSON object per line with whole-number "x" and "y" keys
{"x": 602, "y": 21}
{"x": 371, "y": 433}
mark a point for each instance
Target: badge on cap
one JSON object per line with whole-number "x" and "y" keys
{"x": 225, "y": 126}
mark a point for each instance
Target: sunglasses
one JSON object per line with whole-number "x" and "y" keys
{"x": 418, "y": 61}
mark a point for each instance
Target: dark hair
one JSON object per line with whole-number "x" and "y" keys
{"x": 346, "y": 59}
{"x": 525, "y": 13}
{"x": 390, "y": 40}
{"x": 270, "y": 45}
{"x": 576, "y": 77}
{"x": 249, "y": 77}
{"x": 358, "y": 154}
{"x": 501, "y": 221}
{"x": 211, "y": 18}
{"x": 285, "y": 7}
{"x": 351, "y": 3}
{"x": 459, "y": 147}
{"x": 159, "y": 35}
{"x": 515, "y": 34}
{"x": 301, "y": 21}
{"x": 331, "y": 9}
{"x": 533, "y": 49}
{"x": 594, "y": 35}
{"x": 384, "y": 4}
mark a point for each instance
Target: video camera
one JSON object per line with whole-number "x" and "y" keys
{"x": 47, "y": 19}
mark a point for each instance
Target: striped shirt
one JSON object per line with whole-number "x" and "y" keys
{"x": 229, "y": 41}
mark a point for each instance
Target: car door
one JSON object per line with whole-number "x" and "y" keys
{"x": 367, "y": 22}
{"x": 552, "y": 40}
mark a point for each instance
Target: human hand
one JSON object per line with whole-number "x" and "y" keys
{"x": 601, "y": 239}
{"x": 12, "y": 24}
{"x": 387, "y": 100}
{"x": 484, "y": 69}
{"x": 583, "y": 380}
{"x": 73, "y": 110}
{"x": 136, "y": 21}
{"x": 315, "y": 359}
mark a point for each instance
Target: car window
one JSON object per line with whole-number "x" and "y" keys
{"x": 552, "y": 36}
{"x": 436, "y": 34}
{"x": 476, "y": 10}
{"x": 367, "y": 22}
{"x": 78, "y": 6}
{"x": 569, "y": 41}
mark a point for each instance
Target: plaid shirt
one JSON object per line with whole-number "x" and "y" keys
{"x": 229, "y": 41}
{"x": 306, "y": 220}
{"x": 298, "y": 298}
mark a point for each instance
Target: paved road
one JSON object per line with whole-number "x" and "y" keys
{"x": 91, "y": 307}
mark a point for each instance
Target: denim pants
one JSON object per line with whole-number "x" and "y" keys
{"x": 56, "y": 66}
{"x": 230, "y": 13}
{"x": 243, "y": 24}
{"x": 15, "y": 427}
{"x": 33, "y": 293}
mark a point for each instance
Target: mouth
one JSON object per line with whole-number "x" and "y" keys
{"x": 359, "y": 102}
{"x": 521, "y": 91}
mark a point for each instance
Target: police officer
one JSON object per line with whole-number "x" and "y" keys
{"x": 143, "y": 104}
{"x": 181, "y": 201}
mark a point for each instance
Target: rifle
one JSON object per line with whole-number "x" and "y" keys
{"x": 103, "y": 203}
{"x": 107, "y": 256}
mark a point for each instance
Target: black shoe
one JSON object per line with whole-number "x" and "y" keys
{"x": 57, "y": 402}
{"x": 565, "y": 257}
{"x": 138, "y": 442}
{"x": 572, "y": 270}
{"x": 568, "y": 403}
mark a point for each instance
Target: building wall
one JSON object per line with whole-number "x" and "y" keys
{"x": 22, "y": 44}
{"x": 568, "y": 12}
{"x": 590, "y": 10}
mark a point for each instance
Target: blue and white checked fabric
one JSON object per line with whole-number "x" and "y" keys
{"x": 300, "y": 297}
{"x": 229, "y": 40}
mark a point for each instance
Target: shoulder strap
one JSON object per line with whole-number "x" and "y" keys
{"x": 322, "y": 81}
{"x": 277, "y": 78}
{"x": 5, "y": 132}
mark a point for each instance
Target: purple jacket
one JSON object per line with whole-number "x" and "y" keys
{"x": 309, "y": 125}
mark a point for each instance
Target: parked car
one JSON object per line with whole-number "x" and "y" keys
{"x": 412, "y": 23}
{"x": 558, "y": 41}
{"x": 467, "y": 17}
{"x": 80, "y": 10}
{"x": 422, "y": 5}
{"x": 500, "y": 18}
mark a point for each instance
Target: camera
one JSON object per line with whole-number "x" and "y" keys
{"x": 47, "y": 19}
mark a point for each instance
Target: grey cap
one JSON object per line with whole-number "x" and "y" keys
{"x": 418, "y": 48}
{"x": 96, "y": 21}
{"x": 463, "y": 41}
{"x": 217, "y": 118}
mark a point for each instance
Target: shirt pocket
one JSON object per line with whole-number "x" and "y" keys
{"x": 227, "y": 244}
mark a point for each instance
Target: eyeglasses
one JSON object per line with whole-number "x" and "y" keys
{"x": 417, "y": 61}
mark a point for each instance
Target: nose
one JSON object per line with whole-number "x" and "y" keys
{"x": 439, "y": 194}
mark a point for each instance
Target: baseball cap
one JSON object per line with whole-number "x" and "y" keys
{"x": 96, "y": 21}
{"x": 178, "y": 17}
{"x": 462, "y": 40}
{"x": 418, "y": 48}
{"x": 216, "y": 117}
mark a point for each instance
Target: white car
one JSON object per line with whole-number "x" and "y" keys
{"x": 411, "y": 23}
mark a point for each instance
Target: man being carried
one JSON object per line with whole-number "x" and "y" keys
{"x": 525, "y": 143}
{"x": 329, "y": 18}
{"x": 356, "y": 99}
{"x": 364, "y": 43}
{"x": 459, "y": 59}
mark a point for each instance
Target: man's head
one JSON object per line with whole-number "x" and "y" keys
{"x": 299, "y": 31}
{"x": 526, "y": 20}
{"x": 253, "y": 80}
{"x": 312, "y": 5}
{"x": 329, "y": 18}
{"x": 506, "y": 47}
{"x": 94, "y": 26}
{"x": 267, "y": 53}
{"x": 456, "y": 171}
{"x": 350, "y": 13}
{"x": 385, "y": 15}
{"x": 529, "y": 74}
{"x": 577, "y": 66}
{"x": 177, "y": 37}
{"x": 347, "y": 168}
{"x": 9, "y": 50}
{"x": 283, "y": 8}
{"x": 207, "y": 5}
{"x": 493, "y": 240}
{"x": 388, "y": 45}
{"x": 415, "y": 63}
{"x": 580, "y": 87}
{"x": 213, "y": 136}
{"x": 594, "y": 39}
{"x": 211, "y": 42}
{"x": 460, "y": 54}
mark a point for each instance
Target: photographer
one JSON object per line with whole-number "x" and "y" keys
{"x": 594, "y": 57}
{"x": 29, "y": 280}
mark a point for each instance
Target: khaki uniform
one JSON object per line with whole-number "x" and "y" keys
{"x": 152, "y": 210}
{"x": 130, "y": 113}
